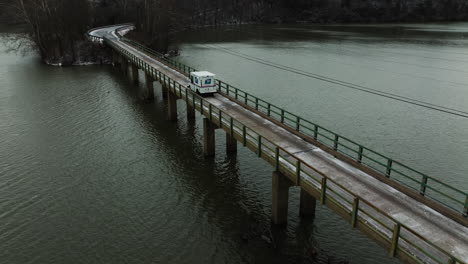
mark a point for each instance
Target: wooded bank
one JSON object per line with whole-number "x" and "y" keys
{"x": 56, "y": 27}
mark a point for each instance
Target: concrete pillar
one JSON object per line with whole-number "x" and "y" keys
{"x": 164, "y": 90}
{"x": 208, "y": 138}
{"x": 307, "y": 205}
{"x": 280, "y": 193}
{"x": 124, "y": 64}
{"x": 231, "y": 144}
{"x": 171, "y": 106}
{"x": 149, "y": 86}
{"x": 135, "y": 73}
{"x": 115, "y": 58}
{"x": 190, "y": 112}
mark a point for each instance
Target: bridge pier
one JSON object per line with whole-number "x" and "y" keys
{"x": 135, "y": 73}
{"x": 307, "y": 205}
{"x": 124, "y": 64}
{"x": 231, "y": 144}
{"x": 149, "y": 87}
{"x": 280, "y": 196}
{"x": 164, "y": 90}
{"x": 115, "y": 58}
{"x": 190, "y": 112}
{"x": 171, "y": 106}
{"x": 208, "y": 138}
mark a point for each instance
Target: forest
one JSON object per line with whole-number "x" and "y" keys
{"x": 55, "y": 28}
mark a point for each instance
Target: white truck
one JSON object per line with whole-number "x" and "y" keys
{"x": 202, "y": 82}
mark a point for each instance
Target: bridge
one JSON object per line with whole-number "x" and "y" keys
{"x": 418, "y": 218}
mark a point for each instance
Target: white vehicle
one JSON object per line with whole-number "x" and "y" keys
{"x": 202, "y": 82}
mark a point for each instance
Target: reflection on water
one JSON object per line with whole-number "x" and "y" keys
{"x": 91, "y": 173}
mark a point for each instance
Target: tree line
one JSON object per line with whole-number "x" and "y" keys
{"x": 56, "y": 27}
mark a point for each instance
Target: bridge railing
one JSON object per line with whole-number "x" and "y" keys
{"x": 425, "y": 185}
{"x": 401, "y": 240}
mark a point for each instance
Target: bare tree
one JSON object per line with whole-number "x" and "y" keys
{"x": 53, "y": 25}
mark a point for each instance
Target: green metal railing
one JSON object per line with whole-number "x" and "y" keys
{"x": 427, "y": 186}
{"x": 400, "y": 239}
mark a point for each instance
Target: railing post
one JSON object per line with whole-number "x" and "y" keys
{"x": 201, "y": 106}
{"x": 245, "y": 98}
{"x": 395, "y": 237}
{"x": 236, "y": 93}
{"x": 389, "y": 167}
{"x": 465, "y": 213}
{"x": 269, "y": 109}
{"x": 244, "y": 135}
{"x": 323, "y": 190}
{"x": 256, "y": 103}
{"x": 335, "y": 142}
{"x": 361, "y": 149}
{"x": 298, "y": 123}
{"x": 227, "y": 88}
{"x": 315, "y": 132}
{"x": 282, "y": 116}
{"x": 232, "y": 126}
{"x": 193, "y": 101}
{"x": 277, "y": 158}
{"x": 220, "y": 119}
{"x": 259, "y": 147}
{"x": 422, "y": 190}
{"x": 210, "y": 112}
{"x": 354, "y": 213}
{"x": 298, "y": 172}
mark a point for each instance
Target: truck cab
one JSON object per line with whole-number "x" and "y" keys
{"x": 203, "y": 82}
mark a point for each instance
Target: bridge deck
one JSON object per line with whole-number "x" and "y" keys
{"x": 439, "y": 229}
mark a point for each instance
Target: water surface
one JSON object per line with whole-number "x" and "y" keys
{"x": 91, "y": 173}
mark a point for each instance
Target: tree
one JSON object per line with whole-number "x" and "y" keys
{"x": 53, "y": 26}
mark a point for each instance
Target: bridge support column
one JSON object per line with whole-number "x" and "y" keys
{"x": 307, "y": 205}
{"x": 115, "y": 58}
{"x": 164, "y": 91}
{"x": 208, "y": 138}
{"x": 171, "y": 106}
{"x": 149, "y": 87}
{"x": 123, "y": 64}
{"x": 280, "y": 195}
{"x": 231, "y": 144}
{"x": 190, "y": 112}
{"x": 135, "y": 73}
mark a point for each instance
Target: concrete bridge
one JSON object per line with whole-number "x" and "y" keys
{"x": 418, "y": 218}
